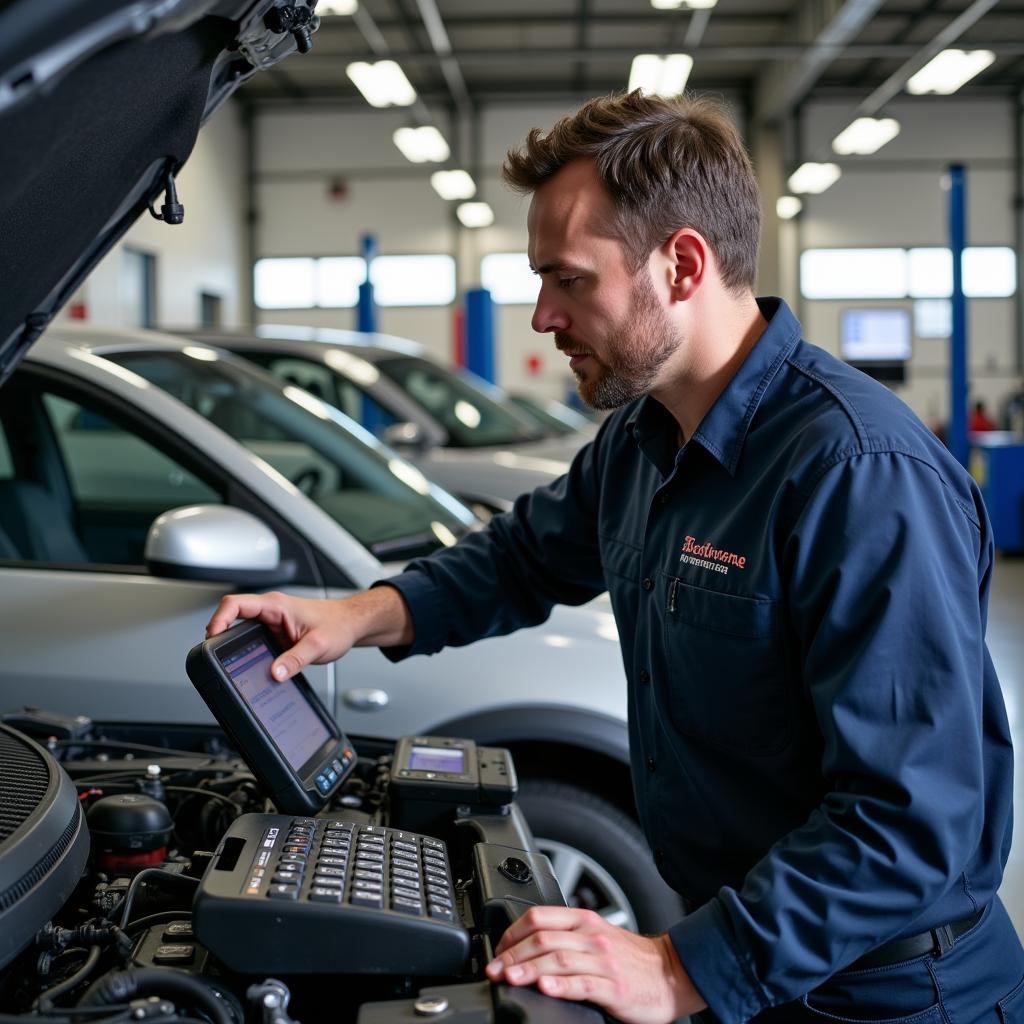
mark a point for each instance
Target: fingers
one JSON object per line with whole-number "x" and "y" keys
{"x": 545, "y": 919}
{"x": 245, "y": 606}
{"x": 564, "y": 961}
{"x": 295, "y": 659}
{"x": 586, "y": 986}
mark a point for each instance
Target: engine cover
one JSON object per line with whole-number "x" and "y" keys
{"x": 44, "y": 844}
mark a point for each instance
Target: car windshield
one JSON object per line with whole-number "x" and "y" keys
{"x": 472, "y": 418}
{"x": 558, "y": 418}
{"x": 381, "y": 500}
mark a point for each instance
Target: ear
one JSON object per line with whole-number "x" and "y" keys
{"x": 689, "y": 258}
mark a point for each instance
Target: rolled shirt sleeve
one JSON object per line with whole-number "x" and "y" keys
{"x": 885, "y": 574}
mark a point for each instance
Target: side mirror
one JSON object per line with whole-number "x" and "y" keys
{"x": 216, "y": 543}
{"x": 407, "y": 435}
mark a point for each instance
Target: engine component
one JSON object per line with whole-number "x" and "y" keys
{"x": 129, "y": 830}
{"x": 43, "y": 842}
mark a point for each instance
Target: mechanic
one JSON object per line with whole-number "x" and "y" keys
{"x": 799, "y": 573}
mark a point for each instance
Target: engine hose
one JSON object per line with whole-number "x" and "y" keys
{"x": 124, "y": 986}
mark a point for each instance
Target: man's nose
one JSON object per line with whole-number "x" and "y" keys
{"x": 548, "y": 316}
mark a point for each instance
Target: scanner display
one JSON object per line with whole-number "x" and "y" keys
{"x": 293, "y": 725}
{"x": 437, "y": 759}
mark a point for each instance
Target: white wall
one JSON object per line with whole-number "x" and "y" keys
{"x": 300, "y": 154}
{"x": 896, "y": 198}
{"x": 206, "y": 253}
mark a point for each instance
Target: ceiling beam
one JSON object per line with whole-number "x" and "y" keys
{"x": 894, "y": 84}
{"x": 782, "y": 52}
{"x": 826, "y": 29}
{"x": 442, "y": 46}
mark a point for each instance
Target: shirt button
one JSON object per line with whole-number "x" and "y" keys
{"x": 662, "y": 498}
{"x": 644, "y": 677}
{"x": 647, "y": 583}
{"x": 651, "y": 764}
{"x": 659, "y": 856}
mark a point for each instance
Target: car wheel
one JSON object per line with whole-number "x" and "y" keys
{"x": 599, "y": 855}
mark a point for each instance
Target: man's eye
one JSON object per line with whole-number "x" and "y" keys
{"x": 567, "y": 282}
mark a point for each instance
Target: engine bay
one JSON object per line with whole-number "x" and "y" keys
{"x": 148, "y": 876}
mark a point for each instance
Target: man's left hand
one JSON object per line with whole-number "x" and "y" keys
{"x": 576, "y": 954}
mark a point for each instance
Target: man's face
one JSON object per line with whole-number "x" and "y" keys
{"x": 608, "y": 320}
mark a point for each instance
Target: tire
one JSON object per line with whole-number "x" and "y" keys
{"x": 602, "y": 855}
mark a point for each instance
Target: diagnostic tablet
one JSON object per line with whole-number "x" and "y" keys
{"x": 283, "y": 732}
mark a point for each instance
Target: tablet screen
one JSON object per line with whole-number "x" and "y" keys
{"x": 293, "y": 725}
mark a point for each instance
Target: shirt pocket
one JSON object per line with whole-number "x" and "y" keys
{"x": 727, "y": 681}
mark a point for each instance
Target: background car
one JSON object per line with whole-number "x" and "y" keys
{"x": 103, "y": 432}
{"x": 554, "y": 415}
{"x": 463, "y": 433}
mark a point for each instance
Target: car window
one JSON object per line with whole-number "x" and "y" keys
{"x": 76, "y": 487}
{"x": 108, "y": 465}
{"x": 471, "y": 417}
{"x": 332, "y": 387}
{"x": 381, "y": 500}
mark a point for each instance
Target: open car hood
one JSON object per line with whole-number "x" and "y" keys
{"x": 100, "y": 102}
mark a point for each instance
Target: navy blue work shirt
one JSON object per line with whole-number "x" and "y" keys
{"x": 820, "y": 751}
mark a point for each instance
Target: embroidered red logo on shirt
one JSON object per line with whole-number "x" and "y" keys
{"x": 707, "y": 556}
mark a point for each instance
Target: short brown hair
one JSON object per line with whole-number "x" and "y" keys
{"x": 667, "y": 164}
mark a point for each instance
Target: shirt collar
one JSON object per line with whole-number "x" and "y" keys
{"x": 724, "y": 427}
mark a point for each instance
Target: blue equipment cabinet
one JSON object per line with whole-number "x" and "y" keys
{"x": 997, "y": 464}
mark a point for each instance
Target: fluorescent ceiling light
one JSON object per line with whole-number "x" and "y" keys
{"x": 674, "y": 5}
{"x": 813, "y": 178}
{"x": 340, "y": 7}
{"x": 787, "y": 207}
{"x": 949, "y": 70}
{"x": 475, "y": 215}
{"x": 453, "y": 184}
{"x": 383, "y": 84}
{"x": 422, "y": 145}
{"x": 866, "y": 135}
{"x": 660, "y": 76}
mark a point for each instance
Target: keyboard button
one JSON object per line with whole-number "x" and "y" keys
{"x": 434, "y": 843}
{"x": 368, "y": 876}
{"x": 335, "y": 844}
{"x": 376, "y": 858}
{"x": 292, "y": 858}
{"x": 295, "y": 848}
{"x": 405, "y": 873}
{"x": 429, "y": 857}
{"x": 287, "y": 878}
{"x": 397, "y": 844}
{"x": 439, "y": 901}
{"x": 405, "y": 894}
{"x": 283, "y": 892}
{"x": 325, "y": 894}
{"x": 304, "y": 822}
{"x": 327, "y": 882}
{"x": 406, "y": 906}
{"x": 440, "y": 913}
{"x": 333, "y": 862}
{"x": 330, "y": 872}
{"x": 366, "y": 885}
{"x": 431, "y": 872}
{"x": 366, "y": 899}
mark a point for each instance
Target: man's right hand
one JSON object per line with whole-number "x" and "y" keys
{"x": 314, "y": 631}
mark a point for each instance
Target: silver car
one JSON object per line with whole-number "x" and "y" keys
{"x": 142, "y": 476}
{"x": 463, "y": 433}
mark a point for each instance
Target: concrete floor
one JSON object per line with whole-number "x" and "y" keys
{"x": 1006, "y": 643}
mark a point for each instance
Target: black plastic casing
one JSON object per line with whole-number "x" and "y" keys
{"x": 293, "y": 792}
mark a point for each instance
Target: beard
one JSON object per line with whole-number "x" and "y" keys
{"x": 635, "y": 350}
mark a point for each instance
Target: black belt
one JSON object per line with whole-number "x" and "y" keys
{"x": 937, "y": 942}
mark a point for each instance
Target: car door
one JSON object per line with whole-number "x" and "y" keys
{"x": 86, "y": 628}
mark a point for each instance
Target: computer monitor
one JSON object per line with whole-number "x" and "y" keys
{"x": 877, "y": 341}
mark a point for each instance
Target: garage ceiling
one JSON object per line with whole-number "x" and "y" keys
{"x": 462, "y": 54}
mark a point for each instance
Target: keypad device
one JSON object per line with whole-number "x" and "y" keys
{"x": 320, "y": 881}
